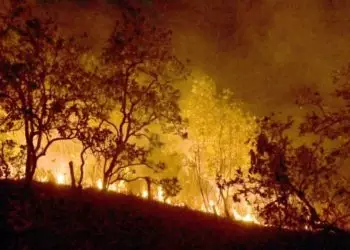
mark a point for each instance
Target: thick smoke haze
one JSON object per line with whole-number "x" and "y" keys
{"x": 264, "y": 50}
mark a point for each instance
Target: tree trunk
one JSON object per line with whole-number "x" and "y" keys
{"x": 105, "y": 182}
{"x": 27, "y": 176}
{"x": 81, "y": 177}
{"x": 72, "y": 177}
{"x": 31, "y": 164}
{"x": 107, "y": 174}
{"x": 82, "y": 164}
{"x": 204, "y": 196}
{"x": 31, "y": 160}
{"x": 227, "y": 213}
{"x": 149, "y": 188}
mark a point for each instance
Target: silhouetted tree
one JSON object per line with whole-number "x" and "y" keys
{"x": 12, "y": 158}
{"x": 93, "y": 140}
{"x": 329, "y": 118}
{"x": 41, "y": 84}
{"x": 170, "y": 186}
{"x": 140, "y": 76}
{"x": 290, "y": 185}
{"x": 303, "y": 182}
{"x": 71, "y": 173}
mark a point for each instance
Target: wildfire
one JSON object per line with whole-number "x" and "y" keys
{"x": 99, "y": 184}
{"x": 44, "y": 179}
{"x": 144, "y": 194}
{"x": 121, "y": 187}
{"x": 113, "y": 187}
{"x": 246, "y": 218}
{"x": 60, "y": 179}
{"x": 160, "y": 194}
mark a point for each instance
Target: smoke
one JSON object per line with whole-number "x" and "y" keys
{"x": 264, "y": 50}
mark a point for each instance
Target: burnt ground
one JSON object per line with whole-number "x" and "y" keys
{"x": 50, "y": 217}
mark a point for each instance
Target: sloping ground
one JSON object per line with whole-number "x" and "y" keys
{"x": 49, "y": 217}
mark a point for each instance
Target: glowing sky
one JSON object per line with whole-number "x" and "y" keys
{"x": 263, "y": 49}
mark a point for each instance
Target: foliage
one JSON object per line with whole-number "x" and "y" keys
{"x": 217, "y": 130}
{"x": 332, "y": 123}
{"x": 293, "y": 186}
{"x": 139, "y": 80}
{"x": 11, "y": 159}
{"x": 42, "y": 83}
{"x": 170, "y": 186}
{"x": 302, "y": 183}
{"x": 54, "y": 89}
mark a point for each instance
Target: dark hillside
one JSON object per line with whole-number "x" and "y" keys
{"x": 49, "y": 217}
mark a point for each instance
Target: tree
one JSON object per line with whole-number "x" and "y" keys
{"x": 291, "y": 185}
{"x": 217, "y": 131}
{"x": 302, "y": 181}
{"x": 329, "y": 118}
{"x": 93, "y": 140}
{"x": 42, "y": 84}
{"x": 11, "y": 159}
{"x": 171, "y": 187}
{"x": 139, "y": 80}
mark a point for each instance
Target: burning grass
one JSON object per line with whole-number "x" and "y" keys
{"x": 52, "y": 217}
{"x": 159, "y": 195}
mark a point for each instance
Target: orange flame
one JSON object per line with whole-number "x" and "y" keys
{"x": 60, "y": 179}
{"x": 120, "y": 187}
{"x": 144, "y": 194}
{"x": 99, "y": 184}
{"x": 246, "y": 218}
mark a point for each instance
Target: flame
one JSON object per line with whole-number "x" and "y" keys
{"x": 99, "y": 184}
{"x": 113, "y": 187}
{"x": 121, "y": 187}
{"x": 246, "y": 218}
{"x": 160, "y": 194}
{"x": 144, "y": 194}
{"x": 45, "y": 179}
{"x": 60, "y": 179}
{"x": 213, "y": 208}
{"x": 68, "y": 151}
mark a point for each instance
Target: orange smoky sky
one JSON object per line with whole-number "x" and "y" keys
{"x": 264, "y": 50}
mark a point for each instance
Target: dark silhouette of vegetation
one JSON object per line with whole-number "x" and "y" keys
{"x": 120, "y": 105}
{"x": 71, "y": 173}
{"x": 139, "y": 81}
{"x": 301, "y": 183}
{"x": 53, "y": 217}
{"x": 51, "y": 94}
{"x": 11, "y": 159}
{"x": 171, "y": 187}
{"x": 41, "y": 84}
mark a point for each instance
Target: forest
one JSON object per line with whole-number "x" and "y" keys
{"x": 117, "y": 120}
